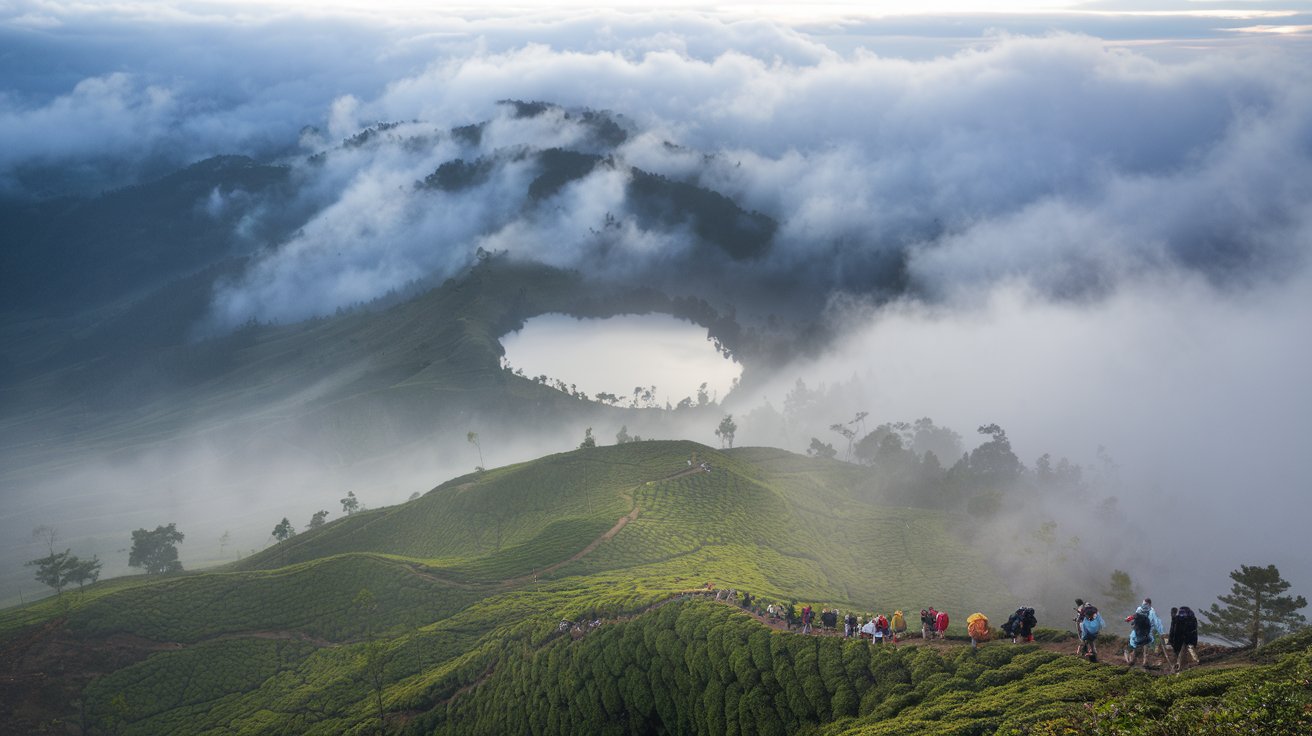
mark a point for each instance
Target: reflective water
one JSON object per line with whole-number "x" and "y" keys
{"x": 617, "y": 354}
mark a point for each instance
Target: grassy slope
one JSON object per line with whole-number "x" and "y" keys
{"x": 281, "y": 642}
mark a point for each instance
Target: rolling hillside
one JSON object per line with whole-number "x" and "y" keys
{"x": 440, "y": 616}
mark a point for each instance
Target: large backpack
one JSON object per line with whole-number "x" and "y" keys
{"x": 899, "y": 621}
{"x": 1187, "y": 622}
{"x": 941, "y": 621}
{"x": 1030, "y": 620}
{"x": 1010, "y": 627}
{"x": 977, "y": 626}
{"x": 1090, "y": 611}
{"x": 1143, "y": 626}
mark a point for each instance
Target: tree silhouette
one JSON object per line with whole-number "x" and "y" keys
{"x": 726, "y": 430}
{"x": 588, "y": 439}
{"x": 472, "y": 438}
{"x": 1120, "y": 591}
{"x": 1254, "y": 612}
{"x": 350, "y": 504}
{"x": 284, "y": 530}
{"x": 156, "y": 551}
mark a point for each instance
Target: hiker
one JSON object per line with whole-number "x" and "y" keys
{"x": 926, "y": 623}
{"x": 806, "y": 619}
{"x": 977, "y": 626}
{"x": 1090, "y": 626}
{"x": 1079, "y": 614}
{"x": 1184, "y": 635}
{"x": 849, "y": 625}
{"x": 747, "y": 600}
{"x": 899, "y": 623}
{"x": 882, "y": 632}
{"x": 1025, "y": 629}
{"x": 941, "y": 624}
{"x": 771, "y": 612}
{"x": 1141, "y": 634}
{"x": 831, "y": 623}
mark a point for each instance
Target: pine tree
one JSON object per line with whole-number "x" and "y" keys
{"x": 1254, "y": 612}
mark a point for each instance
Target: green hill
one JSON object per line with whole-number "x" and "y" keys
{"x": 440, "y": 615}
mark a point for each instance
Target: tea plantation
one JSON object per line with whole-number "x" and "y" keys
{"x": 442, "y": 616}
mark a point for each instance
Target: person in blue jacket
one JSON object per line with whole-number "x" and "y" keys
{"x": 1090, "y": 626}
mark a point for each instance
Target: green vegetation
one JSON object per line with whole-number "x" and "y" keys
{"x": 1255, "y": 611}
{"x": 442, "y": 615}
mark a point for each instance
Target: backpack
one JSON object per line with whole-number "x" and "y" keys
{"x": 1030, "y": 620}
{"x": 941, "y": 621}
{"x": 1091, "y": 624}
{"x": 1143, "y": 626}
{"x": 1188, "y": 622}
{"x": 899, "y": 621}
{"x": 978, "y": 627}
{"x": 1009, "y": 628}
{"x": 1090, "y": 611}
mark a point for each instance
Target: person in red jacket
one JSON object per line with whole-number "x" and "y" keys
{"x": 941, "y": 624}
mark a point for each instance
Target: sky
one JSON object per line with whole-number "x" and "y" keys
{"x": 1088, "y": 222}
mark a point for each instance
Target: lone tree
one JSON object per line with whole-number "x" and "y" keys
{"x": 284, "y": 530}
{"x": 350, "y": 504}
{"x": 156, "y": 551}
{"x": 318, "y": 518}
{"x": 54, "y": 569}
{"x": 726, "y": 430}
{"x": 472, "y": 438}
{"x": 1254, "y": 612}
{"x": 1119, "y": 593}
{"x": 588, "y": 439}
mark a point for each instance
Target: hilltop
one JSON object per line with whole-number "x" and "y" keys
{"x": 444, "y": 613}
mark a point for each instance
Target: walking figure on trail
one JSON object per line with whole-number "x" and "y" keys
{"x": 1090, "y": 626}
{"x": 977, "y": 626}
{"x": 806, "y": 619}
{"x": 1184, "y": 635}
{"x": 899, "y": 623}
{"x": 1141, "y": 635}
{"x": 941, "y": 624}
{"x": 1025, "y": 630}
{"x": 926, "y": 624}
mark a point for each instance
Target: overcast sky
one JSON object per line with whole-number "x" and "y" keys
{"x": 1103, "y": 210}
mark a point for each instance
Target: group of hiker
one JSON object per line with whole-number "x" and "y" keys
{"x": 1148, "y": 633}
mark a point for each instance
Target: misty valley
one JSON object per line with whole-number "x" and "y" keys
{"x": 613, "y": 371}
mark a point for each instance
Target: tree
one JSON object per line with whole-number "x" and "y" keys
{"x": 318, "y": 518}
{"x": 1120, "y": 591}
{"x": 821, "y": 449}
{"x": 53, "y": 569}
{"x": 726, "y": 430}
{"x": 156, "y": 551}
{"x": 84, "y": 571}
{"x": 588, "y": 439}
{"x": 622, "y": 436}
{"x": 350, "y": 504}
{"x": 1254, "y": 612}
{"x": 848, "y": 434}
{"x": 284, "y": 530}
{"x": 993, "y": 463}
{"x": 224, "y": 541}
{"x": 472, "y": 438}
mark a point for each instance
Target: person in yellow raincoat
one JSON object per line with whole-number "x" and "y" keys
{"x": 977, "y": 625}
